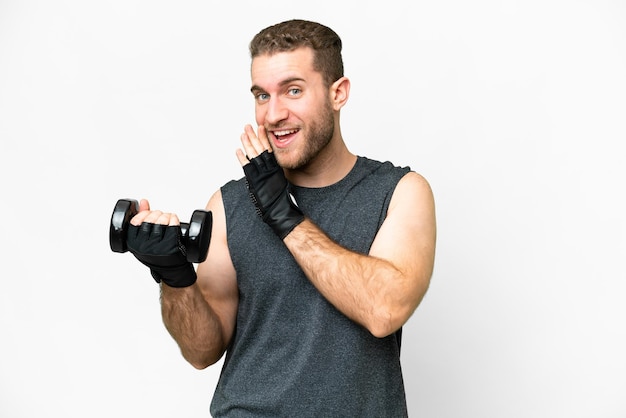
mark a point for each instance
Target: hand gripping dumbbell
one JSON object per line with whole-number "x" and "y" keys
{"x": 195, "y": 235}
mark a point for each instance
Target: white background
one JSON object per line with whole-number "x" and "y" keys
{"x": 513, "y": 110}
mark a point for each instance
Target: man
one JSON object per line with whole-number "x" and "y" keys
{"x": 317, "y": 259}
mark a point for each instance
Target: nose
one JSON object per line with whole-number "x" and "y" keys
{"x": 275, "y": 111}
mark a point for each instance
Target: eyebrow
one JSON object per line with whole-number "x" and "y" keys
{"x": 286, "y": 81}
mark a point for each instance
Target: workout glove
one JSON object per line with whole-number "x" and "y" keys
{"x": 269, "y": 191}
{"x": 159, "y": 247}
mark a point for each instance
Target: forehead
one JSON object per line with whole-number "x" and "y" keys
{"x": 268, "y": 70}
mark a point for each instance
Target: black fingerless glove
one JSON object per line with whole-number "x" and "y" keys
{"x": 269, "y": 191}
{"x": 159, "y": 247}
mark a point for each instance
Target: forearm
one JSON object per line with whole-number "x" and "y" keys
{"x": 193, "y": 324}
{"x": 369, "y": 290}
{"x": 379, "y": 290}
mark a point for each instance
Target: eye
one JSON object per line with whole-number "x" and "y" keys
{"x": 294, "y": 91}
{"x": 262, "y": 97}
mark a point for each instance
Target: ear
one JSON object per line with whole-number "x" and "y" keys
{"x": 339, "y": 92}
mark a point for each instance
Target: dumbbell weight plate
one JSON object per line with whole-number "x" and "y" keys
{"x": 124, "y": 210}
{"x": 198, "y": 236}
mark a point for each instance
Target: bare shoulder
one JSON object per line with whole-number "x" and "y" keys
{"x": 216, "y": 275}
{"x": 215, "y": 202}
{"x": 413, "y": 189}
{"x": 410, "y": 225}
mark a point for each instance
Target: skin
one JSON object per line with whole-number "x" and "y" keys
{"x": 380, "y": 290}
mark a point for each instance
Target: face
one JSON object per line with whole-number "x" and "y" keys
{"x": 293, "y": 104}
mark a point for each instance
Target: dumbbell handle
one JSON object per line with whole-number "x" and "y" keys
{"x": 195, "y": 235}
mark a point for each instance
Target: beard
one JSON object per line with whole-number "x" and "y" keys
{"x": 317, "y": 138}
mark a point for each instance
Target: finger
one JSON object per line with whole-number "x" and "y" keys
{"x": 139, "y": 218}
{"x": 144, "y": 210}
{"x": 248, "y": 148}
{"x": 164, "y": 219}
{"x": 243, "y": 160}
{"x": 174, "y": 221}
{"x": 154, "y": 216}
{"x": 144, "y": 205}
{"x": 264, "y": 139}
{"x": 251, "y": 142}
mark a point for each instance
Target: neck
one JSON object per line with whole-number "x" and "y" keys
{"x": 332, "y": 164}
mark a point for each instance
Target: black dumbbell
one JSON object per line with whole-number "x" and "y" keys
{"x": 195, "y": 235}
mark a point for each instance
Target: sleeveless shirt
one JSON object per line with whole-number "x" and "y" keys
{"x": 293, "y": 354}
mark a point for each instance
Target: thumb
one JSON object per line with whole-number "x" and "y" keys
{"x": 144, "y": 205}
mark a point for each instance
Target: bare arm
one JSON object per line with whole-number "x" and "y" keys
{"x": 380, "y": 290}
{"x": 194, "y": 325}
{"x": 201, "y": 317}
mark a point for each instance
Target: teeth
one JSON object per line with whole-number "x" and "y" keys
{"x": 286, "y": 132}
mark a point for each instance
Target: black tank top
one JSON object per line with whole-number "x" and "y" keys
{"x": 293, "y": 354}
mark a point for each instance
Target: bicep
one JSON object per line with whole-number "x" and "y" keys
{"x": 407, "y": 237}
{"x": 216, "y": 275}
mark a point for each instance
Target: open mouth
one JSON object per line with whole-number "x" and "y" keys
{"x": 285, "y": 135}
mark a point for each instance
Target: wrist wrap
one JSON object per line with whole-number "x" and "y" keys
{"x": 159, "y": 248}
{"x": 269, "y": 191}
